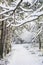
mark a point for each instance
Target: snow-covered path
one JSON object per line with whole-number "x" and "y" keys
{"x": 21, "y": 56}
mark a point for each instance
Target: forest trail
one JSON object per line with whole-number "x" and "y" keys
{"x": 21, "y": 56}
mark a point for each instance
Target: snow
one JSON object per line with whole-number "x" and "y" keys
{"x": 24, "y": 54}
{"x": 30, "y": 1}
{"x": 26, "y": 10}
{"x": 25, "y": 21}
{"x": 21, "y": 56}
{"x": 26, "y": 35}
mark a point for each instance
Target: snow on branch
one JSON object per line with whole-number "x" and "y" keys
{"x": 25, "y": 21}
{"x": 6, "y": 11}
{"x": 37, "y": 33}
{"x": 32, "y": 17}
{"x": 18, "y": 4}
{"x": 29, "y": 19}
{"x": 4, "y": 7}
{"x": 33, "y": 3}
{"x": 5, "y": 18}
{"x": 11, "y": 8}
{"x": 9, "y": 23}
{"x": 26, "y": 10}
{"x": 14, "y": 8}
{"x": 6, "y": 2}
{"x": 36, "y": 11}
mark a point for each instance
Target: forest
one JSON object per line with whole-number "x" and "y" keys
{"x": 21, "y": 32}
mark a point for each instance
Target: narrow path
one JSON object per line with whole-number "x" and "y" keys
{"x": 20, "y": 56}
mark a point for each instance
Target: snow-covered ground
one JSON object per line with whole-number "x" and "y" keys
{"x": 24, "y": 54}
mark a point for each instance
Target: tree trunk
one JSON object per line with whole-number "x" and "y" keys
{"x": 39, "y": 42}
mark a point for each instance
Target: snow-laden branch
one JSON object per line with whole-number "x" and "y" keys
{"x": 6, "y": 15}
{"x": 8, "y": 7}
{"x": 14, "y": 8}
{"x": 36, "y": 11}
{"x": 18, "y": 4}
{"x": 4, "y": 7}
{"x": 9, "y": 23}
{"x": 5, "y": 18}
{"x": 26, "y": 10}
{"x": 33, "y": 3}
{"x": 6, "y": 11}
{"x": 11, "y": 8}
{"x": 39, "y": 30}
{"x": 37, "y": 33}
{"x": 34, "y": 17}
{"x": 25, "y": 21}
{"x": 6, "y": 2}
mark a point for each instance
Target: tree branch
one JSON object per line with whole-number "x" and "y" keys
{"x": 26, "y": 10}
{"x": 29, "y": 19}
{"x": 11, "y": 9}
